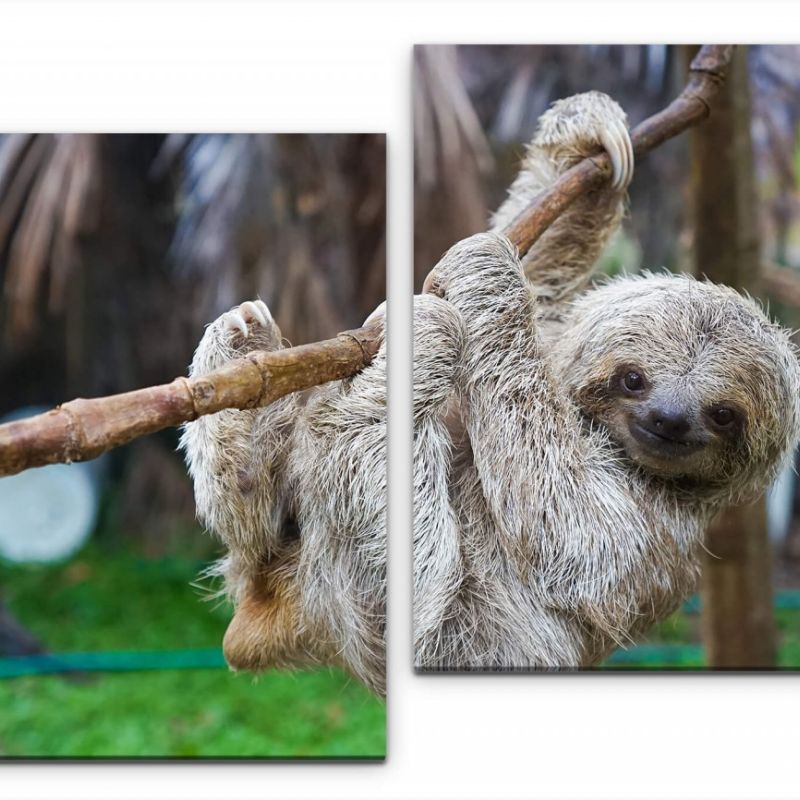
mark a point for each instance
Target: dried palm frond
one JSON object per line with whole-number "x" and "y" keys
{"x": 447, "y": 131}
{"x": 115, "y": 250}
{"x": 283, "y": 217}
{"x": 452, "y": 157}
{"x": 49, "y": 198}
{"x": 508, "y": 87}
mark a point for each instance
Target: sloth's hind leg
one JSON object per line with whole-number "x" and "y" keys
{"x": 560, "y": 263}
{"x": 337, "y": 467}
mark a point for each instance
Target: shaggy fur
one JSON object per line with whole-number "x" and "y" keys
{"x": 571, "y": 130}
{"x": 297, "y": 492}
{"x": 549, "y": 524}
{"x": 554, "y": 518}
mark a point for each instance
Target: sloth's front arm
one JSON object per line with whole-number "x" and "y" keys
{"x": 577, "y": 127}
{"x": 557, "y": 498}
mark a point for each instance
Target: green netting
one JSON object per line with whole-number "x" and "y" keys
{"x": 667, "y": 656}
{"x": 17, "y": 666}
{"x": 663, "y": 656}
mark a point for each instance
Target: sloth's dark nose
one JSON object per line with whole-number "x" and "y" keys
{"x": 672, "y": 422}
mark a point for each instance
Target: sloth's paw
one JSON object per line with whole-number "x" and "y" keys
{"x": 474, "y": 273}
{"x": 248, "y": 322}
{"x": 584, "y": 125}
{"x": 244, "y": 328}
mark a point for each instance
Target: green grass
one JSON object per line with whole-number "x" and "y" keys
{"x": 105, "y": 600}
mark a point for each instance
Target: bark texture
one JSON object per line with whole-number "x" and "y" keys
{"x": 739, "y": 628}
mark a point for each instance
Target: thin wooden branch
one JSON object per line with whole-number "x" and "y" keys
{"x": 83, "y": 429}
{"x": 707, "y": 72}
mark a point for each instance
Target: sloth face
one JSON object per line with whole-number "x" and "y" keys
{"x": 690, "y": 379}
{"x": 668, "y": 428}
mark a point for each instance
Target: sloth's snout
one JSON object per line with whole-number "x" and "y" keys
{"x": 666, "y": 429}
{"x": 670, "y": 421}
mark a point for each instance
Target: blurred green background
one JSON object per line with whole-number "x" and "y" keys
{"x": 677, "y": 642}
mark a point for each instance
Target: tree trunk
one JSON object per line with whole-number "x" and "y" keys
{"x": 738, "y": 622}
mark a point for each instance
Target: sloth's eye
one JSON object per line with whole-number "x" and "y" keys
{"x": 633, "y": 382}
{"x": 722, "y": 416}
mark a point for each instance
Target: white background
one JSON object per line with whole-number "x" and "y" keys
{"x": 345, "y": 66}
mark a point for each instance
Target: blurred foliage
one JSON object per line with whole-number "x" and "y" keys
{"x": 623, "y": 254}
{"x": 788, "y": 622}
{"x": 476, "y": 106}
{"x": 682, "y": 631}
{"x": 116, "y": 250}
{"x": 114, "y": 599}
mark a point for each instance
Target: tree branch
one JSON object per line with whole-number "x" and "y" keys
{"x": 706, "y": 74}
{"x": 83, "y": 429}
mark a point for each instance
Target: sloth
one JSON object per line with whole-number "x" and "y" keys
{"x": 571, "y": 444}
{"x": 297, "y": 492}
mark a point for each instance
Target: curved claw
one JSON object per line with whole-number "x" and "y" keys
{"x": 235, "y": 321}
{"x": 257, "y": 311}
{"x": 629, "y": 151}
{"x": 617, "y": 142}
{"x": 627, "y": 147}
